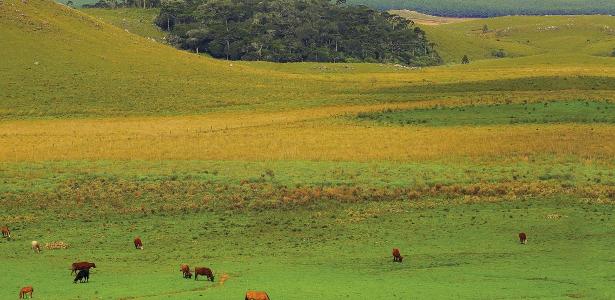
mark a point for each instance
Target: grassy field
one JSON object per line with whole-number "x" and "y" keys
{"x": 329, "y": 252}
{"x": 133, "y": 20}
{"x": 299, "y": 179}
{"x": 559, "y": 37}
{"x": 497, "y": 114}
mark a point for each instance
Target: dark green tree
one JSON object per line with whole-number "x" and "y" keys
{"x": 294, "y": 30}
{"x": 465, "y": 60}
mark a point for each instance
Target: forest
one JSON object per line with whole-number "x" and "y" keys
{"x": 493, "y": 8}
{"x": 294, "y": 31}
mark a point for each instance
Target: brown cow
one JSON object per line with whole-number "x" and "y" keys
{"x": 204, "y": 272}
{"x": 26, "y": 291}
{"x": 36, "y": 247}
{"x": 397, "y": 256}
{"x": 84, "y": 265}
{"x": 523, "y": 238}
{"x": 256, "y": 295}
{"x": 184, "y": 268}
{"x": 6, "y": 232}
{"x": 138, "y": 243}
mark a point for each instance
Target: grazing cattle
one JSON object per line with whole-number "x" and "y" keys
{"x": 184, "y": 268}
{"x": 138, "y": 243}
{"x": 256, "y": 295}
{"x": 84, "y": 265}
{"x": 83, "y": 275}
{"x": 26, "y": 291}
{"x": 397, "y": 256}
{"x": 36, "y": 247}
{"x": 203, "y": 272}
{"x": 6, "y": 232}
{"x": 188, "y": 275}
{"x": 522, "y": 238}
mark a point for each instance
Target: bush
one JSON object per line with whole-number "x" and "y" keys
{"x": 465, "y": 60}
{"x": 499, "y": 53}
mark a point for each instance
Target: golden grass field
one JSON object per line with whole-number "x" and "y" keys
{"x": 302, "y": 136}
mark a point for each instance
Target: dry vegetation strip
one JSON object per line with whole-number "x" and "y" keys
{"x": 423, "y": 19}
{"x": 289, "y": 136}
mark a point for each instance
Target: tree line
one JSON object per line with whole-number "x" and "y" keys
{"x": 294, "y": 31}
{"x": 494, "y": 8}
{"x": 121, "y": 4}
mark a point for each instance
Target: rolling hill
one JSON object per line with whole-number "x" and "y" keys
{"x": 555, "y": 36}
{"x": 299, "y": 179}
{"x": 81, "y": 65}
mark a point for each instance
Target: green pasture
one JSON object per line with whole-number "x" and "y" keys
{"x": 134, "y": 20}
{"x": 330, "y": 251}
{"x": 532, "y": 113}
{"x": 518, "y": 36}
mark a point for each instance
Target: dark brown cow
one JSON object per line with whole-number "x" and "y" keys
{"x": 188, "y": 275}
{"x": 84, "y": 265}
{"x": 138, "y": 243}
{"x": 6, "y": 232}
{"x": 256, "y": 295}
{"x": 26, "y": 291}
{"x": 203, "y": 272}
{"x": 522, "y": 238}
{"x": 397, "y": 256}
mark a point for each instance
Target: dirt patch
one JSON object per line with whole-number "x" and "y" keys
{"x": 223, "y": 278}
{"x": 423, "y": 19}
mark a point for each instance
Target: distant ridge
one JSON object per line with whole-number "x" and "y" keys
{"x": 496, "y": 8}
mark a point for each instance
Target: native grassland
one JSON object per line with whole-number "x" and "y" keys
{"x": 134, "y": 20}
{"x": 299, "y": 178}
{"x": 546, "y": 38}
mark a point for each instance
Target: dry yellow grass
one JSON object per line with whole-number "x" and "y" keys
{"x": 296, "y": 135}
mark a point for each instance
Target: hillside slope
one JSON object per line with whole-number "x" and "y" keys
{"x": 136, "y": 20}
{"x": 526, "y": 36}
{"x": 63, "y": 63}
{"x": 58, "y": 61}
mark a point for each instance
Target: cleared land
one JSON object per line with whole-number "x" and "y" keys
{"x": 298, "y": 179}
{"x": 423, "y": 19}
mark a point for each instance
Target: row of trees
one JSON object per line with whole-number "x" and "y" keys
{"x": 294, "y": 30}
{"x": 492, "y": 8}
{"x": 123, "y": 4}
